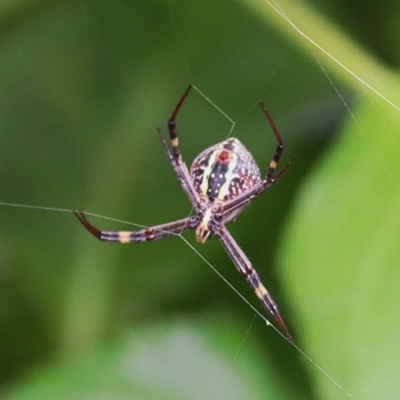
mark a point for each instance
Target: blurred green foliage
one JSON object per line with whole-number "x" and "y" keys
{"x": 83, "y": 86}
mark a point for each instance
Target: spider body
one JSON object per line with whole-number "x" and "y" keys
{"x": 223, "y": 181}
{"x": 221, "y": 173}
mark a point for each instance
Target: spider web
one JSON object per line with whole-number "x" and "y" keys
{"x": 233, "y": 114}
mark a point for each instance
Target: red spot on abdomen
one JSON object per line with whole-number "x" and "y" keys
{"x": 225, "y": 157}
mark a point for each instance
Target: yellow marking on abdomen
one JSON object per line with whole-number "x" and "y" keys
{"x": 207, "y": 173}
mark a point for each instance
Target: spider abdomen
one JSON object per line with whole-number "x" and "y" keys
{"x": 225, "y": 170}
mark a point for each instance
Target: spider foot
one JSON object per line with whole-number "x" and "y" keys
{"x": 272, "y": 308}
{"x": 269, "y": 304}
{"x": 84, "y": 221}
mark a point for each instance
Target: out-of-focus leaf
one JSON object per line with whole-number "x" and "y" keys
{"x": 341, "y": 259}
{"x": 177, "y": 361}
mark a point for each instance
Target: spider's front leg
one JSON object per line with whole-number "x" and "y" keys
{"x": 173, "y": 134}
{"x": 242, "y": 199}
{"x": 244, "y": 266}
{"x": 175, "y": 156}
{"x": 144, "y": 235}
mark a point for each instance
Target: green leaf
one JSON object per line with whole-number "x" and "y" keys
{"x": 341, "y": 258}
{"x": 176, "y": 361}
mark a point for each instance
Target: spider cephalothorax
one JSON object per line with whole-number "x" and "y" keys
{"x": 222, "y": 182}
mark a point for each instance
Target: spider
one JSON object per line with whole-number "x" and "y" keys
{"x": 223, "y": 180}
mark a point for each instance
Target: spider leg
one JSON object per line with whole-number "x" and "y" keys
{"x": 279, "y": 149}
{"x": 172, "y": 125}
{"x": 269, "y": 180}
{"x": 182, "y": 173}
{"x": 244, "y": 266}
{"x": 143, "y": 235}
{"x": 243, "y": 199}
{"x": 175, "y": 156}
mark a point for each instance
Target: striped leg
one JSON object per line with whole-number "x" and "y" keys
{"x": 172, "y": 125}
{"x": 244, "y": 266}
{"x": 279, "y": 149}
{"x": 175, "y": 156}
{"x": 143, "y": 235}
{"x": 269, "y": 180}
